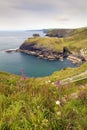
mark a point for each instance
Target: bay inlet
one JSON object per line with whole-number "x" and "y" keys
{"x": 15, "y": 61}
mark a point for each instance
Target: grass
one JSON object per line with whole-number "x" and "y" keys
{"x": 68, "y": 72}
{"x": 37, "y": 104}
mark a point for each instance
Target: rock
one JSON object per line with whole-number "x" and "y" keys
{"x": 74, "y": 58}
{"x": 66, "y": 52}
{"x": 11, "y": 50}
{"x": 32, "y": 47}
{"x": 40, "y": 52}
{"x": 36, "y": 35}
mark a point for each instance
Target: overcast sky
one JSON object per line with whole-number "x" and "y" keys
{"x": 39, "y": 14}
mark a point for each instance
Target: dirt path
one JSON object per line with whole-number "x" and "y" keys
{"x": 75, "y": 78}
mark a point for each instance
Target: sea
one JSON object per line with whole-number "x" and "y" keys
{"x": 33, "y": 66}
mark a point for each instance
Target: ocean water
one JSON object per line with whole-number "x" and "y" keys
{"x": 15, "y": 61}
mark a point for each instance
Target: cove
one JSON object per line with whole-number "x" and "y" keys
{"x": 33, "y": 66}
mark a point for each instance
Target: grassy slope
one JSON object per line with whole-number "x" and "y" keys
{"x": 75, "y": 42}
{"x": 68, "y": 72}
{"x": 31, "y": 104}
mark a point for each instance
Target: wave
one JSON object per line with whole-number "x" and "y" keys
{"x": 8, "y": 50}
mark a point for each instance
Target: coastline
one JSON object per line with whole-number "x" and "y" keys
{"x": 50, "y": 55}
{"x": 74, "y": 58}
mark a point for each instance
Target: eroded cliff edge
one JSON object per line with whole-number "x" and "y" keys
{"x": 43, "y": 51}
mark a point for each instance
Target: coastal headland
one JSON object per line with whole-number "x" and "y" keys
{"x": 58, "y": 44}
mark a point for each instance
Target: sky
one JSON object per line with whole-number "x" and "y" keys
{"x": 42, "y": 14}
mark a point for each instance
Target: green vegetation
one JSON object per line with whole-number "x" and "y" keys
{"x": 68, "y": 72}
{"x": 43, "y": 104}
{"x": 74, "y": 42}
{"x": 47, "y": 103}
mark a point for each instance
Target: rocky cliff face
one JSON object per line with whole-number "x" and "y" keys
{"x": 43, "y": 52}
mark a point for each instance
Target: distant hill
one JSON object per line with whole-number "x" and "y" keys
{"x": 60, "y": 33}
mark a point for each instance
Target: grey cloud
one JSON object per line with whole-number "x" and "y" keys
{"x": 42, "y": 13}
{"x": 34, "y": 8}
{"x": 47, "y": 6}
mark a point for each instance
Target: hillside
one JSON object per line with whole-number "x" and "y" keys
{"x": 43, "y": 103}
{"x": 60, "y": 33}
{"x": 55, "y": 102}
{"x": 75, "y": 42}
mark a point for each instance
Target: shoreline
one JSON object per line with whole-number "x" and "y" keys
{"x": 49, "y": 55}
{"x": 74, "y": 58}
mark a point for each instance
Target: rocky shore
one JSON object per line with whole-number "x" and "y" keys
{"x": 44, "y": 54}
{"x": 75, "y": 59}
{"x": 48, "y": 54}
{"x": 11, "y": 50}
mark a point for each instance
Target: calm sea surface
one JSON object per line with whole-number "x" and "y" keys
{"x": 33, "y": 66}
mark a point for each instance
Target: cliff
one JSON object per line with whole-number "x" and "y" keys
{"x": 54, "y": 48}
{"x": 43, "y": 48}
{"x": 41, "y": 52}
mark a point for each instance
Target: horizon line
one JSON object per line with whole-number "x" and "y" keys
{"x": 41, "y": 29}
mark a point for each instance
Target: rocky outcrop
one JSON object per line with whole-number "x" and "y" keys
{"x": 66, "y": 52}
{"x": 43, "y": 52}
{"x": 11, "y": 50}
{"x": 36, "y": 35}
{"x": 40, "y": 52}
{"x": 74, "y": 58}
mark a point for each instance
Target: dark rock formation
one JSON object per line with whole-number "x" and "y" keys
{"x": 30, "y": 47}
{"x": 66, "y": 52}
{"x": 36, "y": 35}
{"x": 41, "y": 52}
{"x": 50, "y": 54}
